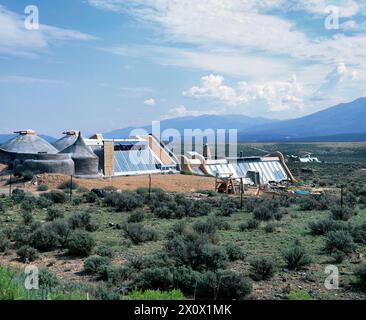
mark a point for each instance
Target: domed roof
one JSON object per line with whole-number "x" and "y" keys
{"x": 28, "y": 142}
{"x": 67, "y": 140}
{"x": 79, "y": 149}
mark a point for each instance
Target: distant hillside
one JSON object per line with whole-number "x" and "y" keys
{"x": 343, "y": 119}
{"x": 344, "y": 122}
{"x": 200, "y": 122}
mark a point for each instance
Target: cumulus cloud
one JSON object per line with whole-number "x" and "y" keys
{"x": 340, "y": 74}
{"x": 150, "y": 102}
{"x": 15, "y": 39}
{"x": 278, "y": 95}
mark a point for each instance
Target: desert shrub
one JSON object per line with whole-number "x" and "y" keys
{"x": 145, "y": 191}
{"x": 227, "y": 207}
{"x": 200, "y": 208}
{"x": 349, "y": 200}
{"x": 219, "y": 222}
{"x": 196, "y": 251}
{"x": 125, "y": 201}
{"x": 185, "y": 279}
{"x": 76, "y": 201}
{"x": 340, "y": 241}
{"x": 262, "y": 268}
{"x": 296, "y": 257}
{"x": 164, "y": 212}
{"x": 4, "y": 242}
{"x": 27, "y": 253}
{"x": 53, "y": 214}
{"x": 342, "y": 213}
{"x": 137, "y": 233}
{"x": 115, "y": 275}
{"x": 299, "y": 294}
{"x": 270, "y": 228}
{"x": 62, "y": 229}
{"x": 234, "y": 252}
{"x": 21, "y": 235}
{"x": 105, "y": 293}
{"x": 42, "y": 187}
{"x": 322, "y": 227}
{"x": 105, "y": 251}
{"x": 249, "y": 225}
{"x": 156, "y": 295}
{"x": 359, "y": 233}
{"x": 67, "y": 185}
{"x": 27, "y": 217}
{"x": 55, "y": 196}
{"x": 318, "y": 202}
{"x": 18, "y": 195}
{"x": 338, "y": 256}
{"x": 95, "y": 264}
{"x": 224, "y": 285}
{"x": 47, "y": 279}
{"x": 154, "y": 278}
{"x": 90, "y": 197}
{"x": 360, "y": 273}
{"x": 44, "y": 238}
{"x": 204, "y": 227}
{"x": 264, "y": 212}
{"x": 27, "y": 175}
{"x": 44, "y": 203}
{"x": 80, "y": 243}
{"x": 29, "y": 203}
{"x": 80, "y": 220}
{"x": 279, "y": 215}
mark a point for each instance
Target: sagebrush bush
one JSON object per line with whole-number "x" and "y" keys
{"x": 342, "y": 213}
{"x": 80, "y": 243}
{"x": 90, "y": 197}
{"x": 234, "y": 252}
{"x": 27, "y": 175}
{"x": 18, "y": 195}
{"x": 262, "y": 268}
{"x": 270, "y": 228}
{"x": 44, "y": 203}
{"x": 4, "y": 242}
{"x": 42, "y": 187}
{"x": 53, "y": 214}
{"x": 264, "y": 212}
{"x": 55, "y": 196}
{"x": 227, "y": 207}
{"x": 80, "y": 220}
{"x": 249, "y": 225}
{"x": 27, "y": 217}
{"x": 359, "y": 233}
{"x": 204, "y": 227}
{"x": 360, "y": 273}
{"x": 67, "y": 185}
{"x": 339, "y": 241}
{"x": 124, "y": 201}
{"x": 137, "y": 233}
{"x": 296, "y": 257}
{"x": 324, "y": 226}
{"x": 155, "y": 278}
{"x": 47, "y": 279}
{"x": 44, "y": 238}
{"x": 224, "y": 285}
{"x": 27, "y": 253}
{"x": 156, "y": 295}
{"x": 95, "y": 265}
{"x": 61, "y": 228}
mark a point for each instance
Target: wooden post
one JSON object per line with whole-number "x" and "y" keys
{"x": 342, "y": 194}
{"x": 149, "y": 186}
{"x": 71, "y": 182}
{"x": 241, "y": 194}
{"x": 10, "y": 184}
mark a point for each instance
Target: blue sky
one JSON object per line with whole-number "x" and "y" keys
{"x": 98, "y": 65}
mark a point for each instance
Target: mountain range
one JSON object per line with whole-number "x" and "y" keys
{"x": 343, "y": 122}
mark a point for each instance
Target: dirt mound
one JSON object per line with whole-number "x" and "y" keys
{"x": 168, "y": 182}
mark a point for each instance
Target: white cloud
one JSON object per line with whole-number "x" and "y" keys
{"x": 15, "y": 39}
{"x": 340, "y": 74}
{"x": 182, "y": 111}
{"x": 278, "y": 95}
{"x": 25, "y": 80}
{"x": 150, "y": 102}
